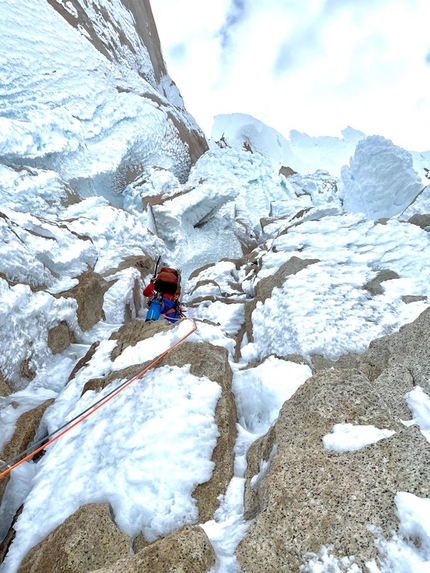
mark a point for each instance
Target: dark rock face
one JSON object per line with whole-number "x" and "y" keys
{"x": 89, "y": 294}
{"x": 4, "y": 388}
{"x": 286, "y": 171}
{"x": 422, "y": 220}
{"x": 22, "y": 437}
{"x": 84, "y": 360}
{"x": 409, "y": 347}
{"x": 10, "y": 536}
{"x": 188, "y": 550}
{"x": 60, "y": 337}
{"x": 310, "y": 496}
{"x": 374, "y": 286}
{"x": 87, "y": 540}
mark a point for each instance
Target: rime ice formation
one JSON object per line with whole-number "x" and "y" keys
{"x": 380, "y": 180}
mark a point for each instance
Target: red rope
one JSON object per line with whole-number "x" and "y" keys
{"x": 102, "y": 403}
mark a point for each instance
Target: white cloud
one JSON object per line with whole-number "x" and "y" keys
{"x": 315, "y": 66}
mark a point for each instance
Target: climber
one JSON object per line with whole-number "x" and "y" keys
{"x": 163, "y": 294}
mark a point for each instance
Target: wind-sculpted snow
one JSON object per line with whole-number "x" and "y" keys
{"x": 153, "y": 183}
{"x": 319, "y": 187}
{"x": 301, "y": 152}
{"x": 217, "y": 212}
{"x": 25, "y": 319}
{"x": 112, "y": 29}
{"x": 380, "y": 180}
{"x": 421, "y": 205}
{"x": 38, "y": 191}
{"x": 325, "y": 152}
{"x": 310, "y": 197}
{"x": 239, "y": 129}
{"x": 68, "y": 107}
{"x": 115, "y": 233}
{"x": 178, "y": 222}
{"x": 253, "y": 174}
{"x": 46, "y": 93}
{"x": 42, "y": 253}
{"x": 324, "y": 309}
{"x": 122, "y": 296}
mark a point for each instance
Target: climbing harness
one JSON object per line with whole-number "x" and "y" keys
{"x": 11, "y": 464}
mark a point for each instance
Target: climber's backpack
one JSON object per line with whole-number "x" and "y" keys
{"x": 167, "y": 281}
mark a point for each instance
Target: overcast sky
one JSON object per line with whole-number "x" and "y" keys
{"x": 312, "y": 65}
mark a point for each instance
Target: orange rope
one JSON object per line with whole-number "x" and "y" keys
{"x": 102, "y": 403}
